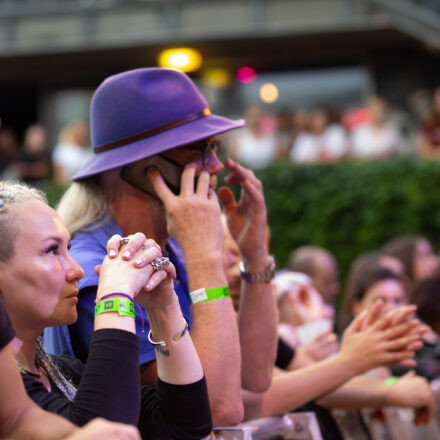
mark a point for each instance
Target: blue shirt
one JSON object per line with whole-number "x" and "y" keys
{"x": 89, "y": 249}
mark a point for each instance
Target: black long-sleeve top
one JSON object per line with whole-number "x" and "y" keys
{"x": 109, "y": 387}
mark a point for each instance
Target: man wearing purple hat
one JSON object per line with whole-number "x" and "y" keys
{"x": 154, "y": 171}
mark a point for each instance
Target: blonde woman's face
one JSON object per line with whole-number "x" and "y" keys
{"x": 38, "y": 285}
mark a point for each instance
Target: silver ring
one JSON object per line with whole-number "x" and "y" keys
{"x": 125, "y": 240}
{"x": 160, "y": 262}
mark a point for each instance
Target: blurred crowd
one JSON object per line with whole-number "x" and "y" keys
{"x": 321, "y": 135}
{"x": 34, "y": 159}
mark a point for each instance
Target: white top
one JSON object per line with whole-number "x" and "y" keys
{"x": 309, "y": 148}
{"x": 254, "y": 152}
{"x": 369, "y": 142}
{"x": 71, "y": 158}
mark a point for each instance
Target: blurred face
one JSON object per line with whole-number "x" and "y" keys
{"x": 391, "y": 292}
{"x": 378, "y": 110}
{"x": 318, "y": 121}
{"x": 38, "y": 285}
{"x": 425, "y": 261}
{"x": 325, "y": 278}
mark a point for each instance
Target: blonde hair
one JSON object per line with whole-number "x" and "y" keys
{"x": 12, "y": 193}
{"x": 84, "y": 206}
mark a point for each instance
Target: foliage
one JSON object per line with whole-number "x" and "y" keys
{"x": 351, "y": 208}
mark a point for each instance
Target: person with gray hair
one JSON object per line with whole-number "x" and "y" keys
{"x": 321, "y": 266}
{"x": 154, "y": 170}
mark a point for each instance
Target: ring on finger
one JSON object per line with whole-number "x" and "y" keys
{"x": 125, "y": 240}
{"x": 160, "y": 262}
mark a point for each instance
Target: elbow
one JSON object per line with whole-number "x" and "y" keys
{"x": 258, "y": 384}
{"x": 228, "y": 414}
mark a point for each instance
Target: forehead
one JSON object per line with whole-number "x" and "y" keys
{"x": 389, "y": 288}
{"x": 37, "y": 220}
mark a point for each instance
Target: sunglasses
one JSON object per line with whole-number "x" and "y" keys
{"x": 206, "y": 148}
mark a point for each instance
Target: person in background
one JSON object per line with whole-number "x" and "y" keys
{"x": 251, "y": 146}
{"x": 71, "y": 153}
{"x": 363, "y": 263}
{"x": 8, "y": 151}
{"x": 33, "y": 162}
{"x": 429, "y": 135}
{"x": 324, "y": 142}
{"x": 377, "y": 138}
{"x": 416, "y": 254}
{"x": 321, "y": 266}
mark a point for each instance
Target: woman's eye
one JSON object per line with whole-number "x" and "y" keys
{"x": 52, "y": 249}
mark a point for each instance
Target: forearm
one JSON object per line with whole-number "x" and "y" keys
{"x": 258, "y": 342}
{"x": 215, "y": 336}
{"x": 253, "y": 403}
{"x": 292, "y": 389}
{"x": 178, "y": 362}
{"x": 35, "y": 423}
{"x": 359, "y": 392}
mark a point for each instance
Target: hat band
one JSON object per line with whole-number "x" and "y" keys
{"x": 152, "y": 132}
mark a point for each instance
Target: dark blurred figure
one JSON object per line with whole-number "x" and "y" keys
{"x": 284, "y": 133}
{"x": 429, "y": 136}
{"x": 325, "y": 141}
{"x": 321, "y": 266}
{"x": 8, "y": 152}
{"x": 33, "y": 162}
{"x": 416, "y": 254}
{"x": 378, "y": 137}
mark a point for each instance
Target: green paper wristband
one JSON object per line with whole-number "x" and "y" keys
{"x": 124, "y": 307}
{"x": 391, "y": 380}
{"x": 203, "y": 295}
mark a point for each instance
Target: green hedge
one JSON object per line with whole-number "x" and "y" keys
{"x": 351, "y": 208}
{"x": 348, "y": 208}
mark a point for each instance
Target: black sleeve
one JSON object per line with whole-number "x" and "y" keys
{"x": 7, "y": 332}
{"x": 285, "y": 354}
{"x": 109, "y": 387}
{"x": 178, "y": 412}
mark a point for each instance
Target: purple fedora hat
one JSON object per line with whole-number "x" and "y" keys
{"x": 143, "y": 112}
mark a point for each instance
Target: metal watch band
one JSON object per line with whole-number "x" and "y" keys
{"x": 262, "y": 276}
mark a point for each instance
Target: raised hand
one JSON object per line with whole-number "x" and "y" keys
{"x": 372, "y": 340}
{"x": 247, "y": 217}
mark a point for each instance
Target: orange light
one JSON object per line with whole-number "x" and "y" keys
{"x": 269, "y": 93}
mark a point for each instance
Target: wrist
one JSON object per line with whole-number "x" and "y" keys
{"x": 104, "y": 289}
{"x": 257, "y": 262}
{"x": 207, "y": 273}
{"x": 350, "y": 364}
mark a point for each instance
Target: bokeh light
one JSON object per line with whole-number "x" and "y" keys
{"x": 246, "y": 75}
{"x": 269, "y": 93}
{"x": 217, "y": 78}
{"x": 185, "y": 59}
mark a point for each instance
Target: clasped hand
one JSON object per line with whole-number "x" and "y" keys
{"x": 127, "y": 269}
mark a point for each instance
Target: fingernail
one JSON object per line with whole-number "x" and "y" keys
{"x": 148, "y": 286}
{"x": 112, "y": 253}
{"x": 127, "y": 254}
{"x": 138, "y": 262}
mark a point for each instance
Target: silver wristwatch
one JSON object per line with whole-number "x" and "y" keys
{"x": 262, "y": 276}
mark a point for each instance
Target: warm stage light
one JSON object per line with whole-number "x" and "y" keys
{"x": 217, "y": 78}
{"x": 183, "y": 58}
{"x": 268, "y": 93}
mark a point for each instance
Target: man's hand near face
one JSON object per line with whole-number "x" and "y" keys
{"x": 194, "y": 221}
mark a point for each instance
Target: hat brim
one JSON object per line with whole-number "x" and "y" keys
{"x": 188, "y": 133}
